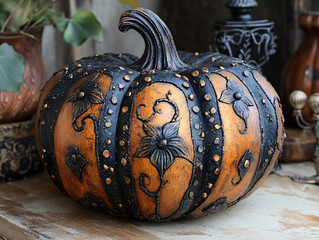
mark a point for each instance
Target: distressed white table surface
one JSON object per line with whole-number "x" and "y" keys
{"x": 280, "y": 209}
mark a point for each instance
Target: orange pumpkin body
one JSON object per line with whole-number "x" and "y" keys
{"x": 158, "y": 138}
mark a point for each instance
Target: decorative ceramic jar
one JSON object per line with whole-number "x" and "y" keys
{"x": 15, "y": 107}
{"x": 159, "y": 138}
{"x": 18, "y": 157}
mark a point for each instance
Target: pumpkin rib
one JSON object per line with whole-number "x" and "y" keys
{"x": 263, "y": 114}
{"x": 165, "y": 79}
{"x": 208, "y": 179}
{"x": 113, "y": 98}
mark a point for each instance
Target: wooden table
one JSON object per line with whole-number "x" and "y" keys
{"x": 280, "y": 209}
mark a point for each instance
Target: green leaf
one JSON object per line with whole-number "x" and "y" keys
{"x": 83, "y": 25}
{"x": 59, "y": 20}
{"x": 11, "y": 69}
{"x": 131, "y": 3}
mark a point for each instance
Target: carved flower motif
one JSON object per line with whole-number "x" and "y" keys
{"x": 235, "y": 95}
{"x": 162, "y": 146}
{"x": 85, "y": 95}
{"x": 75, "y": 161}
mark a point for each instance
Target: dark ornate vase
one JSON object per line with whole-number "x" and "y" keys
{"x": 242, "y": 36}
{"x": 18, "y": 155}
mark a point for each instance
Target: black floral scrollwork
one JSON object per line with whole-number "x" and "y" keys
{"x": 75, "y": 161}
{"x": 161, "y": 145}
{"x": 85, "y": 95}
{"x": 244, "y": 165}
{"x": 235, "y": 95}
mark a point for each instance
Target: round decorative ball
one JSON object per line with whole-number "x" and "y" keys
{"x": 167, "y": 136}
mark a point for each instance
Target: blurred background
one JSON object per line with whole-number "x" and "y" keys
{"x": 189, "y": 21}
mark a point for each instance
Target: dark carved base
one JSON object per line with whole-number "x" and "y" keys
{"x": 18, "y": 155}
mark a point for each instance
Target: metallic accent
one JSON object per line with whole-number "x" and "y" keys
{"x": 202, "y": 83}
{"x": 185, "y": 84}
{"x": 108, "y": 124}
{"x": 195, "y": 73}
{"x": 108, "y": 181}
{"x": 177, "y": 75}
{"x": 191, "y": 97}
{"x": 298, "y": 99}
{"x": 195, "y": 109}
{"x": 106, "y": 153}
{"x": 127, "y": 78}
{"x": 148, "y": 79}
{"x": 123, "y": 161}
{"x": 124, "y": 109}
{"x": 208, "y": 97}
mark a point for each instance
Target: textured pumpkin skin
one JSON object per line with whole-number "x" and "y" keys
{"x": 159, "y": 144}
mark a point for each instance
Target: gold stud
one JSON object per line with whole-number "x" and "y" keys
{"x": 213, "y": 59}
{"x": 201, "y": 167}
{"x": 43, "y": 150}
{"x": 263, "y": 101}
{"x": 246, "y": 164}
{"x": 217, "y": 127}
{"x": 124, "y": 109}
{"x": 105, "y": 167}
{"x": 222, "y": 68}
{"x": 202, "y": 135}
{"x": 208, "y": 97}
{"x": 120, "y": 205}
{"x": 108, "y": 181}
{"x": 45, "y": 106}
{"x": 148, "y": 79}
{"x": 52, "y": 176}
{"x": 143, "y": 73}
{"x": 213, "y": 110}
{"x": 151, "y": 71}
{"x": 127, "y": 78}
{"x": 204, "y": 195}
{"x": 78, "y": 65}
{"x": 128, "y": 94}
{"x": 202, "y": 83}
{"x": 122, "y": 143}
{"x": 108, "y": 142}
{"x": 196, "y": 53}
{"x": 217, "y": 171}
{"x": 42, "y": 123}
{"x": 79, "y": 70}
{"x": 111, "y": 170}
{"x": 127, "y": 180}
{"x": 106, "y": 153}
{"x": 216, "y": 158}
{"x": 195, "y": 73}
{"x": 135, "y": 84}
{"x": 210, "y": 185}
{"x": 125, "y": 128}
{"x": 130, "y": 72}
{"x": 177, "y": 75}
{"x": 191, "y": 194}
{"x": 185, "y": 84}
{"x": 211, "y": 120}
{"x": 185, "y": 78}
{"x": 108, "y": 124}
{"x": 205, "y": 70}
{"x": 123, "y": 161}
{"x": 191, "y": 97}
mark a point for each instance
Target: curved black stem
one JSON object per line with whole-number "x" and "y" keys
{"x": 155, "y": 194}
{"x": 155, "y": 110}
{"x": 83, "y": 122}
{"x": 160, "y": 51}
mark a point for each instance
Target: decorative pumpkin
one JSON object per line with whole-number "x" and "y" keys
{"x": 158, "y": 138}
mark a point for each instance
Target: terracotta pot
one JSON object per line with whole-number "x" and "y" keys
{"x": 15, "y": 107}
{"x": 18, "y": 155}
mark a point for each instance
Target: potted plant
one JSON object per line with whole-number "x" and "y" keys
{"x": 22, "y": 73}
